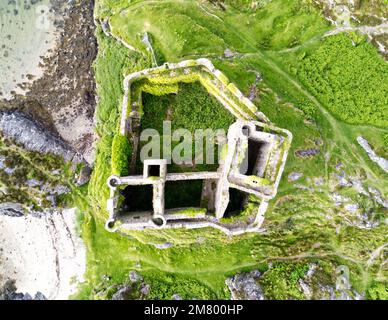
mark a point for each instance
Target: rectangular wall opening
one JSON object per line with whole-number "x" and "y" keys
{"x": 154, "y": 170}
{"x": 255, "y": 153}
{"x": 137, "y": 198}
{"x": 236, "y": 203}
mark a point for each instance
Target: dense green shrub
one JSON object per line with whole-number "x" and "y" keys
{"x": 121, "y": 150}
{"x": 349, "y": 77}
{"x": 192, "y": 108}
{"x": 165, "y": 285}
{"x": 378, "y": 291}
{"x": 281, "y": 281}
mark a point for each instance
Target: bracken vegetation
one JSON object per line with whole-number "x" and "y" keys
{"x": 335, "y": 73}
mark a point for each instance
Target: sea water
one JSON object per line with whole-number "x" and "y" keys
{"x": 27, "y": 33}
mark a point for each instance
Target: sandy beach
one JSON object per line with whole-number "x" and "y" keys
{"x": 42, "y": 254}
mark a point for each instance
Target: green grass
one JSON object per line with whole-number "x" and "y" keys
{"x": 114, "y": 255}
{"x": 302, "y": 226}
{"x": 197, "y": 30}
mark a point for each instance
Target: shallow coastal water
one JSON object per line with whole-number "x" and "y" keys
{"x": 27, "y": 33}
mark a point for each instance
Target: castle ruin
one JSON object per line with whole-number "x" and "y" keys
{"x": 252, "y": 142}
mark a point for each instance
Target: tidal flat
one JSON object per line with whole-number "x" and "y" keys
{"x": 28, "y": 33}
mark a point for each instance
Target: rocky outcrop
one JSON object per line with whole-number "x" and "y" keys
{"x": 134, "y": 289}
{"x": 135, "y": 277}
{"x": 34, "y": 179}
{"x": 380, "y": 161}
{"x": 352, "y": 15}
{"x": 316, "y": 285}
{"x": 293, "y": 176}
{"x": 244, "y": 286}
{"x": 11, "y": 209}
{"x": 84, "y": 176}
{"x": 165, "y": 245}
{"x": 9, "y": 292}
{"x": 17, "y": 127}
{"x": 123, "y": 293}
{"x": 307, "y": 152}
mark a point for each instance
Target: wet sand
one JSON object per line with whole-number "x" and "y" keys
{"x": 28, "y": 33}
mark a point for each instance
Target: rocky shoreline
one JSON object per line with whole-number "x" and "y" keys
{"x": 63, "y": 101}
{"x": 14, "y": 125}
{"x": 51, "y": 125}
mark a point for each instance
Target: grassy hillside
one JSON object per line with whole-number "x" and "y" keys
{"x": 311, "y": 86}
